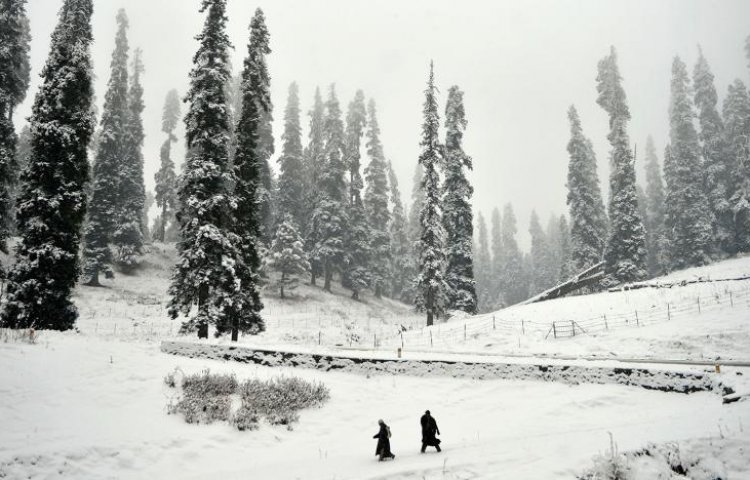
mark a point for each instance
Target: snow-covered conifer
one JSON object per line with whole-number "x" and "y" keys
{"x": 403, "y": 267}
{"x": 52, "y": 203}
{"x": 286, "y": 256}
{"x": 291, "y": 162}
{"x": 483, "y": 266}
{"x": 588, "y": 222}
{"x": 376, "y": 205}
{"x": 104, "y": 202}
{"x": 736, "y": 112}
{"x": 514, "y": 276}
{"x": 564, "y": 251}
{"x": 543, "y": 273}
{"x": 497, "y": 284}
{"x": 625, "y": 251}
{"x": 457, "y": 214}
{"x": 691, "y": 233}
{"x": 431, "y": 285}
{"x": 656, "y": 239}
{"x": 314, "y": 156}
{"x": 166, "y": 178}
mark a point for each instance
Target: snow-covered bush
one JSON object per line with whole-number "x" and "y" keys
{"x": 205, "y": 397}
{"x": 279, "y": 399}
{"x": 20, "y": 335}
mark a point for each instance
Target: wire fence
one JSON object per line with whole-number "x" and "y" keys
{"x": 448, "y": 334}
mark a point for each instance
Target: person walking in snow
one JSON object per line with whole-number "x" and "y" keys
{"x": 429, "y": 430}
{"x": 383, "y": 450}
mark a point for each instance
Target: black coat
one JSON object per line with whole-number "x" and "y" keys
{"x": 384, "y": 444}
{"x": 429, "y": 430}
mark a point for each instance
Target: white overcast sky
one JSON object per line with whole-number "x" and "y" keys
{"x": 520, "y": 64}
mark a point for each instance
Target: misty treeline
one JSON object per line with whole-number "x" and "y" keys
{"x": 334, "y": 212}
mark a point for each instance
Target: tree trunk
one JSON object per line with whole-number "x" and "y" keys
{"x": 94, "y": 280}
{"x": 313, "y": 278}
{"x": 429, "y": 318}
{"x": 283, "y": 279}
{"x": 235, "y": 328}
{"x": 202, "y": 306}
{"x": 328, "y": 278}
{"x": 163, "y": 227}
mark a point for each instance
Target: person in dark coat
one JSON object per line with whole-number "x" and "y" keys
{"x": 383, "y": 450}
{"x": 429, "y": 430}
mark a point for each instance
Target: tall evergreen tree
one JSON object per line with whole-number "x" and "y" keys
{"x": 656, "y": 239}
{"x": 417, "y": 203}
{"x": 457, "y": 213}
{"x": 104, "y": 205}
{"x": 588, "y": 222}
{"x": 625, "y": 251}
{"x": 564, "y": 252}
{"x": 292, "y": 175}
{"x": 543, "y": 273}
{"x": 357, "y": 276}
{"x": 515, "y": 280}
{"x": 128, "y": 237}
{"x": 376, "y": 204}
{"x": 497, "y": 284}
{"x": 211, "y": 271}
{"x": 736, "y": 111}
{"x": 14, "y": 82}
{"x": 314, "y": 156}
{"x": 250, "y": 164}
{"x": 266, "y": 193}
{"x": 402, "y": 268}
{"x": 714, "y": 171}
{"x": 287, "y": 256}
{"x": 330, "y": 217}
{"x": 483, "y": 266}
{"x": 166, "y": 178}
{"x": 690, "y": 236}
{"x": 53, "y": 201}
{"x": 431, "y": 285}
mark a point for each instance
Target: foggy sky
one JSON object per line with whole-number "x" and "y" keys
{"x": 521, "y": 65}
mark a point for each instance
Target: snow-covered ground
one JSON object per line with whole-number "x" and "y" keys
{"x": 92, "y": 404}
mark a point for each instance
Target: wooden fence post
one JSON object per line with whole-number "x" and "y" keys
{"x": 698, "y": 300}
{"x": 493, "y": 323}
{"x": 430, "y": 338}
{"x": 464, "y": 331}
{"x": 554, "y": 329}
{"x": 606, "y": 326}
{"x": 731, "y": 301}
{"x": 573, "y": 326}
{"x": 669, "y": 314}
{"x": 523, "y": 326}
{"x": 637, "y": 322}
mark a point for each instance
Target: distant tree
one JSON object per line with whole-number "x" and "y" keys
{"x": 483, "y": 267}
{"x": 287, "y": 256}
{"x": 166, "y": 178}
{"x": 564, "y": 252}
{"x": 403, "y": 267}
{"x": 52, "y": 203}
{"x": 292, "y": 174}
{"x": 543, "y": 273}
{"x": 105, "y": 202}
{"x": 656, "y": 239}
{"x": 376, "y": 205}
{"x": 14, "y": 82}
{"x": 357, "y": 275}
{"x": 314, "y": 156}
{"x": 515, "y": 271}
{"x": 457, "y": 214}
{"x": 211, "y": 270}
{"x": 714, "y": 172}
{"x": 330, "y": 217}
{"x": 736, "y": 111}
{"x": 625, "y": 251}
{"x": 691, "y": 233}
{"x": 497, "y": 284}
{"x": 128, "y": 237}
{"x": 417, "y": 203}
{"x": 588, "y": 220}
{"x": 431, "y": 285}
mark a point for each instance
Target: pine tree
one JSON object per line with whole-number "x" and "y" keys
{"x": 542, "y": 272}
{"x": 128, "y": 237}
{"x": 736, "y": 112}
{"x": 211, "y": 269}
{"x": 166, "y": 178}
{"x": 402, "y": 268}
{"x": 483, "y": 267}
{"x": 52, "y": 205}
{"x": 23, "y": 153}
{"x": 286, "y": 256}
{"x": 564, "y": 253}
{"x": 376, "y": 205}
{"x": 330, "y": 217}
{"x": 105, "y": 202}
{"x": 457, "y": 213}
{"x": 497, "y": 284}
{"x": 625, "y": 251}
{"x": 250, "y": 164}
{"x": 588, "y": 221}
{"x": 357, "y": 275}
{"x": 292, "y": 175}
{"x": 514, "y": 276}
{"x": 656, "y": 239}
{"x": 14, "y": 82}
{"x": 314, "y": 156}
{"x": 431, "y": 285}
{"x": 690, "y": 236}
{"x": 715, "y": 172}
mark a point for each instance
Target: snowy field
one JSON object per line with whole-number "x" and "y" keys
{"x": 92, "y": 404}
